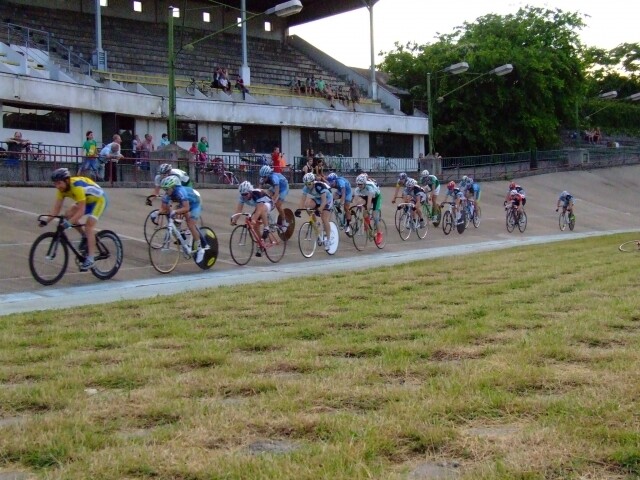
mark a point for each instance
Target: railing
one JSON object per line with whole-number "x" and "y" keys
{"x": 35, "y": 41}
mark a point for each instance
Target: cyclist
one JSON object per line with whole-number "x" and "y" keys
{"x": 258, "y": 198}
{"x": 464, "y": 183}
{"x": 321, "y": 194}
{"x": 90, "y": 163}
{"x": 343, "y": 192}
{"x": 189, "y": 206}
{"x": 416, "y": 195}
{"x": 472, "y": 193}
{"x": 433, "y": 183}
{"x": 517, "y": 199}
{"x": 278, "y": 186}
{"x": 400, "y": 183}
{"x": 456, "y": 195}
{"x": 166, "y": 170}
{"x": 519, "y": 189}
{"x": 368, "y": 190}
{"x": 90, "y": 200}
{"x": 566, "y": 201}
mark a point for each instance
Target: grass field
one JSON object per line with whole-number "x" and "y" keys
{"x": 523, "y": 363}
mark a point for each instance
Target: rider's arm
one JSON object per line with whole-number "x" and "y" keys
{"x": 79, "y": 212}
{"x": 276, "y": 193}
{"x": 239, "y": 208}
{"x": 55, "y": 210}
{"x": 323, "y": 201}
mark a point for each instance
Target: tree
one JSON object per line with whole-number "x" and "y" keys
{"x": 521, "y": 111}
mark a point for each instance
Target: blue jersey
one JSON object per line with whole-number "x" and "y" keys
{"x": 343, "y": 189}
{"x": 565, "y": 197}
{"x": 257, "y": 196}
{"x": 277, "y": 179}
{"x": 182, "y": 194}
{"x": 317, "y": 190}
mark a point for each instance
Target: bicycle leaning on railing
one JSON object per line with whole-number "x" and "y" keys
{"x": 312, "y": 234}
{"x": 244, "y": 238}
{"x": 49, "y": 254}
{"x": 168, "y": 244}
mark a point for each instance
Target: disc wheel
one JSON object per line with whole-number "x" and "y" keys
{"x": 447, "y": 222}
{"x": 307, "y": 240}
{"x": 48, "y": 258}
{"x": 164, "y": 251}
{"x": 461, "y": 224}
{"x": 109, "y": 254}
{"x": 630, "y": 246}
{"x": 404, "y": 225}
{"x": 241, "y": 245}
{"x": 210, "y": 255}
{"x": 334, "y": 239}
{"x": 275, "y": 247}
{"x": 291, "y": 220}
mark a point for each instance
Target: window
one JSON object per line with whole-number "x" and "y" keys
{"x": 390, "y": 145}
{"x": 244, "y": 138}
{"x": 104, "y": 3}
{"x": 186, "y": 131}
{"x": 176, "y": 12}
{"x": 32, "y": 117}
{"x": 206, "y": 17}
{"x": 137, "y": 6}
{"x": 327, "y": 142}
{"x": 239, "y": 20}
{"x": 267, "y": 26}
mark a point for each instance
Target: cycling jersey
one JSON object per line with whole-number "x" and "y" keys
{"x": 180, "y": 195}
{"x": 455, "y": 194}
{"x": 343, "y": 189}
{"x": 566, "y": 198}
{"x": 463, "y": 185}
{"x": 270, "y": 182}
{"x": 416, "y": 193}
{"x": 520, "y": 190}
{"x": 372, "y": 190}
{"x": 474, "y": 189}
{"x": 316, "y": 191}
{"x": 432, "y": 182}
{"x": 257, "y": 196}
{"x": 174, "y": 172}
{"x": 82, "y": 189}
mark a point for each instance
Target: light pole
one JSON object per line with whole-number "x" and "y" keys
{"x": 457, "y": 69}
{"x": 285, "y": 9}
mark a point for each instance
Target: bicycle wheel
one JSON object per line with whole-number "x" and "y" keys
{"x": 291, "y": 220}
{"x": 109, "y": 254}
{"x": 511, "y": 221}
{"x": 447, "y": 222}
{"x": 461, "y": 224}
{"x": 360, "y": 235}
{"x": 164, "y": 250}
{"x": 307, "y": 240}
{"x": 380, "y": 235}
{"x": 630, "y": 246}
{"x": 572, "y": 222}
{"x": 404, "y": 225}
{"x": 334, "y": 239}
{"x": 151, "y": 225}
{"x": 562, "y": 221}
{"x": 48, "y": 258}
{"x": 398, "y": 216}
{"x": 522, "y": 221}
{"x": 210, "y": 255}
{"x": 422, "y": 231}
{"x": 438, "y": 216}
{"x": 275, "y": 247}
{"x": 191, "y": 89}
{"x": 477, "y": 216}
{"x": 241, "y": 245}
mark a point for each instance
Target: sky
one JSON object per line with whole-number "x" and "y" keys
{"x": 346, "y": 37}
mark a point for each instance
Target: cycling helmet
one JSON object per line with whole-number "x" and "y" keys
{"x": 512, "y": 185}
{"x": 361, "y": 179}
{"x": 425, "y": 173}
{"x": 402, "y": 177}
{"x": 332, "y": 177}
{"x": 170, "y": 182}
{"x": 309, "y": 178}
{"x": 470, "y": 180}
{"x": 245, "y": 187}
{"x": 164, "y": 169}
{"x": 410, "y": 183}
{"x": 265, "y": 171}
{"x": 451, "y": 185}
{"x": 464, "y": 179}
{"x": 60, "y": 174}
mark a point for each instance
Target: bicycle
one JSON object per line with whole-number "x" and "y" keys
{"x": 434, "y": 215}
{"x": 275, "y": 223}
{"x": 244, "y": 238}
{"x": 566, "y": 219}
{"x": 204, "y": 87}
{"x": 409, "y": 222}
{"x": 37, "y": 155}
{"x": 312, "y": 234}
{"x": 364, "y": 231}
{"x": 340, "y": 217}
{"x": 384, "y": 165}
{"x": 449, "y": 218}
{"x": 169, "y": 243}
{"x": 154, "y": 221}
{"x": 474, "y": 212}
{"x": 514, "y": 218}
{"x": 630, "y": 246}
{"x": 49, "y": 254}
{"x": 228, "y": 178}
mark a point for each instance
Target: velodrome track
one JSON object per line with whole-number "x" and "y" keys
{"x": 607, "y": 202}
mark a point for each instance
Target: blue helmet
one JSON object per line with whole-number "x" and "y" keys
{"x": 265, "y": 171}
{"x": 332, "y": 177}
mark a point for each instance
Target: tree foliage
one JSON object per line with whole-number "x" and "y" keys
{"x": 522, "y": 110}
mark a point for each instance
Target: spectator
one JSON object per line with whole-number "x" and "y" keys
{"x": 320, "y": 86}
{"x": 328, "y": 93}
{"x": 135, "y": 146}
{"x": 318, "y": 167}
{"x": 240, "y": 86}
{"x": 280, "y": 163}
{"x": 597, "y": 135}
{"x": 354, "y": 94}
{"x": 295, "y": 85}
{"x": 15, "y": 146}
{"x": 90, "y": 164}
{"x": 310, "y": 83}
{"x": 146, "y": 147}
{"x": 275, "y": 155}
{"x": 308, "y": 167}
{"x": 164, "y": 140}
{"x": 203, "y": 148}
{"x": 215, "y": 83}
{"x": 223, "y": 80}
{"x": 110, "y": 154}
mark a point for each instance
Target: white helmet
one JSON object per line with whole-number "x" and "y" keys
{"x": 265, "y": 171}
{"x": 309, "y": 178}
{"x": 425, "y": 173}
{"x": 361, "y": 179}
{"x": 464, "y": 179}
{"x": 410, "y": 183}
{"x": 245, "y": 187}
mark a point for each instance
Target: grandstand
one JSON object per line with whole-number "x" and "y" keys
{"x": 46, "y": 68}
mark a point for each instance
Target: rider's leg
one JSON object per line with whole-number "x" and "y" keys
{"x": 325, "y": 215}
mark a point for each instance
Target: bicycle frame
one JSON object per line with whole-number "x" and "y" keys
{"x": 318, "y": 234}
